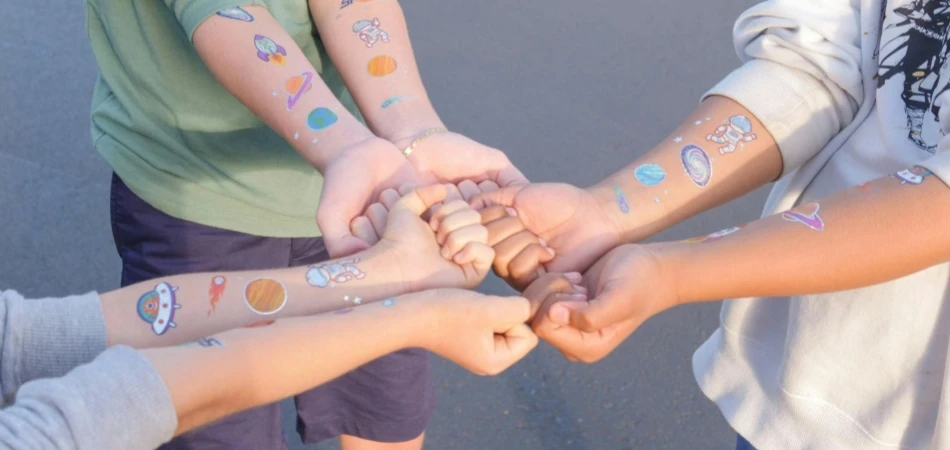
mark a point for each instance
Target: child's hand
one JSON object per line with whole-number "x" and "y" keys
{"x": 456, "y": 256}
{"x": 520, "y": 255}
{"x": 575, "y": 223}
{"x": 484, "y": 334}
{"x": 628, "y": 286}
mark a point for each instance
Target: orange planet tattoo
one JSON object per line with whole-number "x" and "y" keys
{"x": 265, "y": 296}
{"x": 381, "y": 66}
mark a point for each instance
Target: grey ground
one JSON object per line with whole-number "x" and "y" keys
{"x": 571, "y": 90}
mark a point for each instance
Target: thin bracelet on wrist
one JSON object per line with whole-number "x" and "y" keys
{"x": 425, "y": 135}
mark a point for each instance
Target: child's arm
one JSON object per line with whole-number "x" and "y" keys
{"x": 141, "y": 399}
{"x": 369, "y": 44}
{"x": 870, "y": 234}
{"x": 800, "y": 86}
{"x": 263, "y": 67}
{"x": 183, "y": 308}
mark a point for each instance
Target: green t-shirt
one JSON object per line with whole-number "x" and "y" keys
{"x": 178, "y": 139}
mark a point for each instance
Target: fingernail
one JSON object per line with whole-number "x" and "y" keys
{"x": 511, "y": 212}
{"x": 444, "y": 252}
{"x": 549, "y": 250}
{"x": 434, "y": 224}
{"x": 542, "y": 242}
{"x": 559, "y": 315}
{"x": 459, "y": 257}
{"x": 574, "y": 277}
{"x": 580, "y": 288}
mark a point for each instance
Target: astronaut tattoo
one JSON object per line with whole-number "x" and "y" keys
{"x": 369, "y": 32}
{"x": 326, "y": 274}
{"x": 732, "y": 134}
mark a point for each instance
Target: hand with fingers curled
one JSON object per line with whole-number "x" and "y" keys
{"x": 546, "y": 227}
{"x": 587, "y": 316}
{"x": 455, "y": 254}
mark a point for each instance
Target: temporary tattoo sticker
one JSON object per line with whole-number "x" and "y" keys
{"x": 736, "y": 131}
{"x": 210, "y": 342}
{"x": 323, "y": 275}
{"x": 158, "y": 306}
{"x": 341, "y": 312}
{"x": 389, "y": 302}
{"x": 265, "y": 296}
{"x": 621, "y": 200}
{"x": 268, "y": 50}
{"x": 650, "y": 174}
{"x": 381, "y": 66}
{"x": 216, "y": 291}
{"x": 296, "y": 86}
{"x": 678, "y": 139}
{"x": 697, "y": 165}
{"x": 345, "y": 3}
{"x": 714, "y": 236}
{"x": 915, "y": 175}
{"x": 236, "y": 13}
{"x": 810, "y": 219}
{"x": 369, "y": 32}
{"x": 392, "y": 101}
{"x": 320, "y": 119}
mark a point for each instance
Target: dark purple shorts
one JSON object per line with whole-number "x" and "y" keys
{"x": 388, "y": 400}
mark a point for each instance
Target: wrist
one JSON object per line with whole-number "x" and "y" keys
{"x": 406, "y": 127}
{"x": 605, "y": 194}
{"x": 423, "y": 315}
{"x": 336, "y": 144}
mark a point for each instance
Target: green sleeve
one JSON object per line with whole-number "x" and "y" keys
{"x": 191, "y": 13}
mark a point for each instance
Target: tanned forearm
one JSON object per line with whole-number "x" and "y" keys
{"x": 719, "y": 153}
{"x": 866, "y": 235}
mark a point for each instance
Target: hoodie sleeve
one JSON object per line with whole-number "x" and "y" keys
{"x": 801, "y": 73}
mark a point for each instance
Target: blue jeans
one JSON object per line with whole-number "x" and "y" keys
{"x": 743, "y": 444}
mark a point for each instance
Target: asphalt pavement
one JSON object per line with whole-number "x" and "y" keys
{"x": 570, "y": 90}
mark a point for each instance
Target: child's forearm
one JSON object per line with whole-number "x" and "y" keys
{"x": 264, "y": 68}
{"x": 369, "y": 44}
{"x": 266, "y": 364}
{"x": 184, "y": 308}
{"x": 870, "y": 234}
{"x": 720, "y": 152}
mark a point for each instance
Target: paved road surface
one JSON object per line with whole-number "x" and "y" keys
{"x": 571, "y": 90}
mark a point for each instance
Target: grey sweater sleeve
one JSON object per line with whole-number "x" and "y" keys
{"x": 118, "y": 401}
{"x": 48, "y": 337}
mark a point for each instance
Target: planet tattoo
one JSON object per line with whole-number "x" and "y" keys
{"x": 697, "y": 164}
{"x": 650, "y": 174}
{"x": 268, "y": 50}
{"x": 265, "y": 296}
{"x": 158, "y": 306}
{"x": 296, "y": 86}
{"x": 381, "y": 66}
{"x": 320, "y": 119}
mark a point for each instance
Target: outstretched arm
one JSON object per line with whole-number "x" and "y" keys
{"x": 866, "y": 235}
{"x": 129, "y": 399}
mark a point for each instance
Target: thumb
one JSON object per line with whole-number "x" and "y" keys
{"x": 511, "y": 346}
{"x": 335, "y": 226}
{"x": 501, "y": 197}
{"x": 420, "y": 200}
{"x": 508, "y": 312}
{"x": 594, "y": 315}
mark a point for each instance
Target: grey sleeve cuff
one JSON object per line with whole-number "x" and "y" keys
{"x": 116, "y": 401}
{"x": 47, "y": 338}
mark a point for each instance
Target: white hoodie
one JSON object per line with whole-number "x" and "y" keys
{"x": 851, "y": 91}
